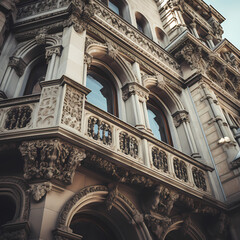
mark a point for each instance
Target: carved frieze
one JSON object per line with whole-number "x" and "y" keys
{"x": 72, "y": 108}
{"x": 199, "y": 179}
{"x": 18, "y": 117}
{"x": 47, "y": 106}
{"x": 99, "y": 130}
{"x": 50, "y": 159}
{"x": 119, "y": 174}
{"x": 17, "y": 64}
{"x": 128, "y": 144}
{"x": 159, "y": 158}
{"x": 180, "y": 169}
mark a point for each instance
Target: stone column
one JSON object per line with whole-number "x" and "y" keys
{"x": 193, "y": 25}
{"x": 210, "y": 41}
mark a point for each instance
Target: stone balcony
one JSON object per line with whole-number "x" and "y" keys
{"x": 61, "y": 112}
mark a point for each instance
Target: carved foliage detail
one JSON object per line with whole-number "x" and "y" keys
{"x": 18, "y": 65}
{"x": 50, "y": 159}
{"x": 72, "y": 108}
{"x": 180, "y": 169}
{"x": 99, "y": 130}
{"x": 128, "y": 144}
{"x": 47, "y": 106}
{"x": 18, "y": 117}
{"x": 199, "y": 179}
{"x": 159, "y": 158}
{"x": 40, "y": 190}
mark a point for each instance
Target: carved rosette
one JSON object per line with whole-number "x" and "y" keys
{"x": 128, "y": 144}
{"x": 135, "y": 89}
{"x": 50, "y": 159}
{"x": 199, "y": 179}
{"x": 99, "y": 130}
{"x": 180, "y": 169}
{"x": 18, "y": 117}
{"x": 72, "y": 108}
{"x": 17, "y": 64}
{"x": 159, "y": 159}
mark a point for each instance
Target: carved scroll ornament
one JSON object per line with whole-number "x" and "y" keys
{"x": 50, "y": 159}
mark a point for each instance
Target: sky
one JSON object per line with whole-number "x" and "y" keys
{"x": 230, "y": 9}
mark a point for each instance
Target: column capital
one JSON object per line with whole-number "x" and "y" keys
{"x": 53, "y": 50}
{"x": 17, "y": 64}
{"x": 179, "y": 117}
{"x": 135, "y": 88}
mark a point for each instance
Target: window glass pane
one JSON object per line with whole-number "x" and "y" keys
{"x": 96, "y": 96}
{"x": 113, "y": 7}
{"x": 153, "y": 124}
{"x": 139, "y": 26}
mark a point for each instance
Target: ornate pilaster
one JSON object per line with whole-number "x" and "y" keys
{"x": 17, "y": 64}
{"x": 50, "y": 159}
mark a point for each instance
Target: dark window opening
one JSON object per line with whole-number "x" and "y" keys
{"x": 37, "y": 75}
{"x": 143, "y": 25}
{"x": 7, "y": 209}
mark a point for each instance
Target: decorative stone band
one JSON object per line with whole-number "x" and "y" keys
{"x": 180, "y": 169}
{"x": 128, "y": 144}
{"x": 99, "y": 130}
{"x": 17, "y": 64}
{"x": 50, "y": 159}
{"x": 179, "y": 117}
{"x": 134, "y": 88}
{"x": 159, "y": 158}
{"x": 18, "y": 117}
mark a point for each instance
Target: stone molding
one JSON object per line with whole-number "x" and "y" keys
{"x": 50, "y": 159}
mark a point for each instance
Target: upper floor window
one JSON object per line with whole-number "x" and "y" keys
{"x": 37, "y": 75}
{"x": 103, "y": 92}
{"x": 120, "y": 7}
{"x": 143, "y": 25}
{"x": 158, "y": 123}
{"x": 161, "y": 37}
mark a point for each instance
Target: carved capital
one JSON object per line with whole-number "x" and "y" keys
{"x": 17, "y": 64}
{"x": 161, "y": 83}
{"x": 135, "y": 89}
{"x": 111, "y": 198}
{"x": 179, "y": 117}
{"x": 50, "y": 159}
{"x": 41, "y": 37}
{"x": 53, "y": 50}
{"x": 112, "y": 50}
{"x": 88, "y": 60}
{"x": 40, "y": 190}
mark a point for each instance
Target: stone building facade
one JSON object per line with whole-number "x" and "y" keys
{"x": 118, "y": 120}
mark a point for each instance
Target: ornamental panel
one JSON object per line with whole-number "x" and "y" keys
{"x": 159, "y": 159}
{"x": 180, "y": 169}
{"x": 128, "y": 144}
{"x": 199, "y": 179}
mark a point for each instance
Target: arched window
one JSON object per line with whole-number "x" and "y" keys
{"x": 7, "y": 209}
{"x": 37, "y": 75}
{"x": 158, "y": 123}
{"x": 161, "y": 37}
{"x": 143, "y": 25}
{"x": 103, "y": 93}
{"x": 120, "y": 7}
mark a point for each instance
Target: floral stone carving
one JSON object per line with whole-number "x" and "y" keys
{"x": 180, "y": 169}
{"x": 40, "y": 190}
{"x": 18, "y": 117}
{"x": 72, "y": 108}
{"x": 50, "y": 159}
{"x": 128, "y": 144}
{"x": 99, "y": 130}
{"x": 159, "y": 158}
{"x": 199, "y": 179}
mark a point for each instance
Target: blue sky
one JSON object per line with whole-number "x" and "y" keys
{"x": 230, "y": 9}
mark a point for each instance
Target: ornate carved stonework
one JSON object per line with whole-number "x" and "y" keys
{"x": 179, "y": 117}
{"x": 41, "y": 36}
{"x": 72, "y": 108}
{"x": 50, "y": 159}
{"x": 99, "y": 130}
{"x": 180, "y": 169}
{"x": 47, "y": 106}
{"x": 18, "y": 117}
{"x": 40, "y": 190}
{"x": 159, "y": 158}
{"x": 134, "y": 88}
{"x": 112, "y": 50}
{"x": 128, "y": 144}
{"x": 88, "y": 60}
{"x": 111, "y": 197}
{"x": 53, "y": 50}
{"x": 117, "y": 173}
{"x": 217, "y": 28}
{"x": 199, "y": 179}
{"x": 18, "y": 65}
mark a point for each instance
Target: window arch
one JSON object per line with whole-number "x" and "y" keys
{"x": 158, "y": 122}
{"x": 143, "y": 25}
{"x": 161, "y": 37}
{"x": 103, "y": 92}
{"x": 37, "y": 74}
{"x": 120, "y": 7}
